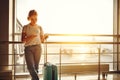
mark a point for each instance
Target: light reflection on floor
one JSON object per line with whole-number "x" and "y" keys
{"x": 104, "y": 58}
{"x": 83, "y": 77}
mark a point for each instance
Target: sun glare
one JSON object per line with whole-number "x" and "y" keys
{"x": 70, "y": 16}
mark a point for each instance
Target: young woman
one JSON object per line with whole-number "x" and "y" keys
{"x": 32, "y": 36}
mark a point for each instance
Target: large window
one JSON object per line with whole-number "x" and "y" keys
{"x": 80, "y": 21}
{"x": 70, "y": 16}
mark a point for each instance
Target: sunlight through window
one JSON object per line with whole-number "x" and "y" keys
{"x": 70, "y": 16}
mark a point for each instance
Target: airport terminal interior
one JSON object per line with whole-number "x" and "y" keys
{"x": 83, "y": 40}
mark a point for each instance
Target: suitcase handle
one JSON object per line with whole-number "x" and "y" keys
{"x": 45, "y": 47}
{"x": 45, "y": 51}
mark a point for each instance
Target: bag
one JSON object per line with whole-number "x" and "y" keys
{"x": 50, "y": 71}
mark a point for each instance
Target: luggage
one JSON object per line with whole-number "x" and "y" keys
{"x": 50, "y": 71}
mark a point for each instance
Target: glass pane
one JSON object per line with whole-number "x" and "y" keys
{"x": 69, "y": 17}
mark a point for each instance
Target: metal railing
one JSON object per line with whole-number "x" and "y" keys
{"x": 59, "y": 42}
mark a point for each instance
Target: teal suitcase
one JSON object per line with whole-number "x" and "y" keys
{"x": 50, "y": 72}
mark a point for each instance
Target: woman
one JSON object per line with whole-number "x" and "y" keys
{"x": 32, "y": 36}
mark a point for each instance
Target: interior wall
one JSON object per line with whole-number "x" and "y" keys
{"x": 4, "y": 33}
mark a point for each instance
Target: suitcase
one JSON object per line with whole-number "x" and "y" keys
{"x": 50, "y": 71}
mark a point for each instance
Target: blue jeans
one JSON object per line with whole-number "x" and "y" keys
{"x": 32, "y": 57}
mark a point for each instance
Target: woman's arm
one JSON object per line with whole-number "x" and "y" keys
{"x": 43, "y": 37}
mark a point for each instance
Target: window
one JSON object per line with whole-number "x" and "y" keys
{"x": 72, "y": 17}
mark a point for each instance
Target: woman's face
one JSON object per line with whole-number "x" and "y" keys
{"x": 33, "y": 19}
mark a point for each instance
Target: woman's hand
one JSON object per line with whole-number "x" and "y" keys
{"x": 28, "y": 38}
{"x": 45, "y": 36}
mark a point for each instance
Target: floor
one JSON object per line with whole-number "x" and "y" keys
{"x": 85, "y": 76}
{"x": 81, "y": 77}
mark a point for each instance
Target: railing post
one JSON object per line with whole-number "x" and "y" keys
{"x": 99, "y": 63}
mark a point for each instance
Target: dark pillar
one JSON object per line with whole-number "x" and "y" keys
{"x": 4, "y": 34}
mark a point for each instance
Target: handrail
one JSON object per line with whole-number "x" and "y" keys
{"x": 111, "y": 42}
{"x": 84, "y": 35}
{"x": 63, "y": 42}
{"x": 10, "y": 42}
{"x": 83, "y": 42}
{"x": 50, "y": 34}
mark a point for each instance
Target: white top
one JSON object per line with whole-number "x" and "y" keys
{"x": 33, "y": 30}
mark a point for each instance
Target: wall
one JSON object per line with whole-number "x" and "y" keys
{"x": 4, "y": 33}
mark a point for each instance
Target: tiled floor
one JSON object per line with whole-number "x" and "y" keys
{"x": 81, "y": 77}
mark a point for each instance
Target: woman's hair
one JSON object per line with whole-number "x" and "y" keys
{"x": 31, "y": 12}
